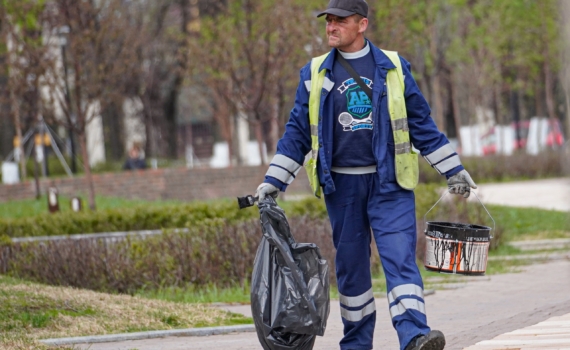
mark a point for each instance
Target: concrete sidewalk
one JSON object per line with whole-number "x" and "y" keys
{"x": 545, "y": 194}
{"x": 480, "y": 311}
{"x": 553, "y": 333}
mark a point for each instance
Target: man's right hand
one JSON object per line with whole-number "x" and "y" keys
{"x": 266, "y": 189}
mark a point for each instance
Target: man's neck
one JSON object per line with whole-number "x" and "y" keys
{"x": 355, "y": 46}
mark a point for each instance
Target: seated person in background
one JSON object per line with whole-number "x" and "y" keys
{"x": 134, "y": 160}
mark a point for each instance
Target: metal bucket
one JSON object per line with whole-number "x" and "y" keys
{"x": 457, "y": 247}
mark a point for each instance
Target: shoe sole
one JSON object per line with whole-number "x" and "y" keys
{"x": 434, "y": 341}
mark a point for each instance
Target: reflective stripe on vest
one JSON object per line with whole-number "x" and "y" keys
{"x": 406, "y": 160}
{"x": 317, "y": 82}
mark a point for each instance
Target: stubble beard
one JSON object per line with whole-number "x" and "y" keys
{"x": 334, "y": 41}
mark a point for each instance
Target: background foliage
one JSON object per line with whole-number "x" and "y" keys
{"x": 183, "y": 62}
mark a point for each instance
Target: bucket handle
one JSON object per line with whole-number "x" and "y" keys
{"x": 445, "y": 194}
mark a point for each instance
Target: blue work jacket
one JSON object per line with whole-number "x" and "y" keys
{"x": 296, "y": 141}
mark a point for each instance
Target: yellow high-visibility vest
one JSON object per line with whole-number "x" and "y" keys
{"x": 406, "y": 160}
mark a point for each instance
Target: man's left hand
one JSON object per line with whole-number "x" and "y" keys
{"x": 461, "y": 183}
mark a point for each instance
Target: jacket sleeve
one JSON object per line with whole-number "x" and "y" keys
{"x": 424, "y": 134}
{"x": 296, "y": 142}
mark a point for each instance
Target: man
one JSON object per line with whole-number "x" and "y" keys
{"x": 134, "y": 161}
{"x": 356, "y": 130}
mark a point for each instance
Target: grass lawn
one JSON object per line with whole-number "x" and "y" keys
{"x": 32, "y": 311}
{"x": 531, "y": 223}
{"x": 210, "y": 294}
{"x": 33, "y": 207}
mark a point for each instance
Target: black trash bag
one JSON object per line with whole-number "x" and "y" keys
{"x": 289, "y": 287}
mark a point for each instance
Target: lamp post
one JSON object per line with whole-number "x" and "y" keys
{"x": 63, "y": 31}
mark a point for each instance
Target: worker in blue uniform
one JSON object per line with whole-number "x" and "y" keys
{"x": 353, "y": 127}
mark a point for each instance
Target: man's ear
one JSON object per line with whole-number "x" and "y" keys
{"x": 363, "y": 25}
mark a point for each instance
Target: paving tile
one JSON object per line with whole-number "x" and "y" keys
{"x": 501, "y": 309}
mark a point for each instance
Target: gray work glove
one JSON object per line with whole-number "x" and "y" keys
{"x": 266, "y": 189}
{"x": 461, "y": 183}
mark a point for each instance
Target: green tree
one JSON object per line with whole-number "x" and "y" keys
{"x": 22, "y": 27}
{"x": 249, "y": 56}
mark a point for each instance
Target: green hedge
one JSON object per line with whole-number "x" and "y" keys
{"x": 212, "y": 251}
{"x": 128, "y": 219}
{"x": 518, "y": 166}
{"x": 169, "y": 216}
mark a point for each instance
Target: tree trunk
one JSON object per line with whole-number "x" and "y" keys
{"x": 549, "y": 90}
{"x": 238, "y": 136}
{"x": 539, "y": 100}
{"x": 230, "y": 141}
{"x": 37, "y": 175}
{"x": 273, "y": 136}
{"x": 170, "y": 108}
{"x": 498, "y": 98}
{"x": 456, "y": 110}
{"x": 112, "y": 116}
{"x": 259, "y": 138}
{"x": 567, "y": 95}
{"x": 18, "y": 127}
{"x": 282, "y": 115}
{"x": 438, "y": 103}
{"x": 515, "y": 112}
{"x": 87, "y": 169}
{"x": 565, "y": 71}
{"x": 222, "y": 114}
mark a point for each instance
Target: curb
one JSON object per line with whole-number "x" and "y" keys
{"x": 99, "y": 235}
{"x": 532, "y": 257}
{"x": 556, "y": 243}
{"x": 189, "y": 332}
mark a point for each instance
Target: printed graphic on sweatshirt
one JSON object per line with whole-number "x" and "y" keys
{"x": 358, "y": 105}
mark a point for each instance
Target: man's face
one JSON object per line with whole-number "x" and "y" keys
{"x": 343, "y": 31}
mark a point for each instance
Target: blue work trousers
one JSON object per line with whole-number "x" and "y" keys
{"x": 360, "y": 203}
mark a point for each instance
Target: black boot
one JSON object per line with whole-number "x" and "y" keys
{"x": 434, "y": 340}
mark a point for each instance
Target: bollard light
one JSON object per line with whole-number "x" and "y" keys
{"x": 76, "y": 204}
{"x": 53, "y": 202}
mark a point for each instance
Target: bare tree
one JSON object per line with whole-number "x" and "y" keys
{"x": 100, "y": 56}
{"x": 162, "y": 55}
{"x": 246, "y": 55}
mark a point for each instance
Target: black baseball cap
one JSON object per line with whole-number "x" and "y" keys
{"x": 345, "y": 8}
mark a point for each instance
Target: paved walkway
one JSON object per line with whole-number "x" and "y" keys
{"x": 553, "y": 333}
{"x": 470, "y": 317}
{"x": 545, "y": 194}
{"x": 516, "y": 311}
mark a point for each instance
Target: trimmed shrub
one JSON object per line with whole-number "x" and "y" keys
{"x": 214, "y": 250}
{"x": 128, "y": 219}
{"x": 519, "y": 166}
